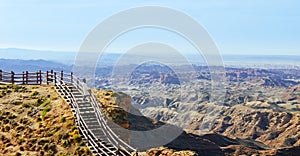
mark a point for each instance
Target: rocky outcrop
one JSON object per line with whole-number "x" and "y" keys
{"x": 115, "y": 106}
{"x": 275, "y": 129}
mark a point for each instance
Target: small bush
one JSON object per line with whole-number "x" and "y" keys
{"x": 42, "y": 153}
{"x": 57, "y": 135}
{"x": 63, "y": 119}
{"x": 56, "y": 128}
{"x": 12, "y": 116}
{"x": 62, "y": 154}
{"x": 24, "y": 120}
{"x": 52, "y": 147}
{"x": 3, "y": 93}
{"x": 65, "y": 143}
{"x": 45, "y": 103}
{"x": 43, "y": 141}
{"x": 39, "y": 101}
{"x": 6, "y": 128}
{"x": 44, "y": 112}
{"x": 46, "y": 147}
{"x": 33, "y": 140}
{"x": 19, "y": 88}
{"x": 35, "y": 93}
{"x": 25, "y": 105}
{"x": 20, "y": 128}
{"x": 77, "y": 138}
{"x": 21, "y": 140}
{"x": 18, "y": 154}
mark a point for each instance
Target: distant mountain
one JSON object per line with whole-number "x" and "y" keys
{"x": 63, "y": 57}
{"x": 108, "y": 58}
{"x": 32, "y": 65}
{"x": 28, "y": 54}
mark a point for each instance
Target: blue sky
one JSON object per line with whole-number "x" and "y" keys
{"x": 238, "y": 27}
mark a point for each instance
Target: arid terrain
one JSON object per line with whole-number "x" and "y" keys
{"x": 260, "y": 113}
{"x": 35, "y": 120}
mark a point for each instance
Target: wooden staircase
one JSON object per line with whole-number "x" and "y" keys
{"x": 87, "y": 121}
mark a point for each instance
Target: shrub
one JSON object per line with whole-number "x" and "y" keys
{"x": 57, "y": 136}
{"x": 44, "y": 112}
{"x": 52, "y": 147}
{"x": 56, "y": 128}
{"x": 3, "y": 93}
{"x": 20, "y": 128}
{"x": 12, "y": 116}
{"x": 62, "y": 154}
{"x": 35, "y": 93}
{"x": 21, "y": 140}
{"x": 63, "y": 119}
{"x": 18, "y": 88}
{"x": 46, "y": 147}
{"x": 25, "y": 105}
{"x": 33, "y": 140}
{"x": 42, "y": 153}
{"x": 77, "y": 138}
{"x": 45, "y": 103}
{"x": 65, "y": 143}
{"x": 39, "y": 102}
{"x": 24, "y": 120}
{"x": 18, "y": 154}
{"x": 6, "y": 128}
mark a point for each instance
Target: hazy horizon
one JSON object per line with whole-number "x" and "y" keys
{"x": 110, "y": 58}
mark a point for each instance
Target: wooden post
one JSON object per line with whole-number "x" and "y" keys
{"x": 51, "y": 75}
{"x": 0, "y": 75}
{"x": 26, "y": 77}
{"x": 47, "y": 75}
{"x": 55, "y": 77}
{"x": 12, "y": 77}
{"x": 136, "y": 153}
{"x": 37, "y": 77}
{"x": 61, "y": 75}
{"x": 71, "y": 77}
{"x": 41, "y": 77}
{"x": 117, "y": 152}
{"x": 23, "y": 77}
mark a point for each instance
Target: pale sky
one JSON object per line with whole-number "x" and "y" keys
{"x": 237, "y": 27}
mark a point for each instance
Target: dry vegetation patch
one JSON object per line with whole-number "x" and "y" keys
{"x": 35, "y": 120}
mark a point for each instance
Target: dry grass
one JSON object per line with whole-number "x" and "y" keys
{"x": 35, "y": 120}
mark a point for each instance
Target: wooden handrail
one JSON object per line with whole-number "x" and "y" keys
{"x": 112, "y": 136}
{"x": 24, "y": 77}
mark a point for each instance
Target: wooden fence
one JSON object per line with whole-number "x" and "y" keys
{"x": 35, "y": 78}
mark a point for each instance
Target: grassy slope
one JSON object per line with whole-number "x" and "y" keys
{"x": 35, "y": 120}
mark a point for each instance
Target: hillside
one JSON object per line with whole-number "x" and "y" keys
{"x": 240, "y": 130}
{"x": 35, "y": 120}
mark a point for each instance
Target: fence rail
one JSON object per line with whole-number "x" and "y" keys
{"x": 35, "y": 78}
